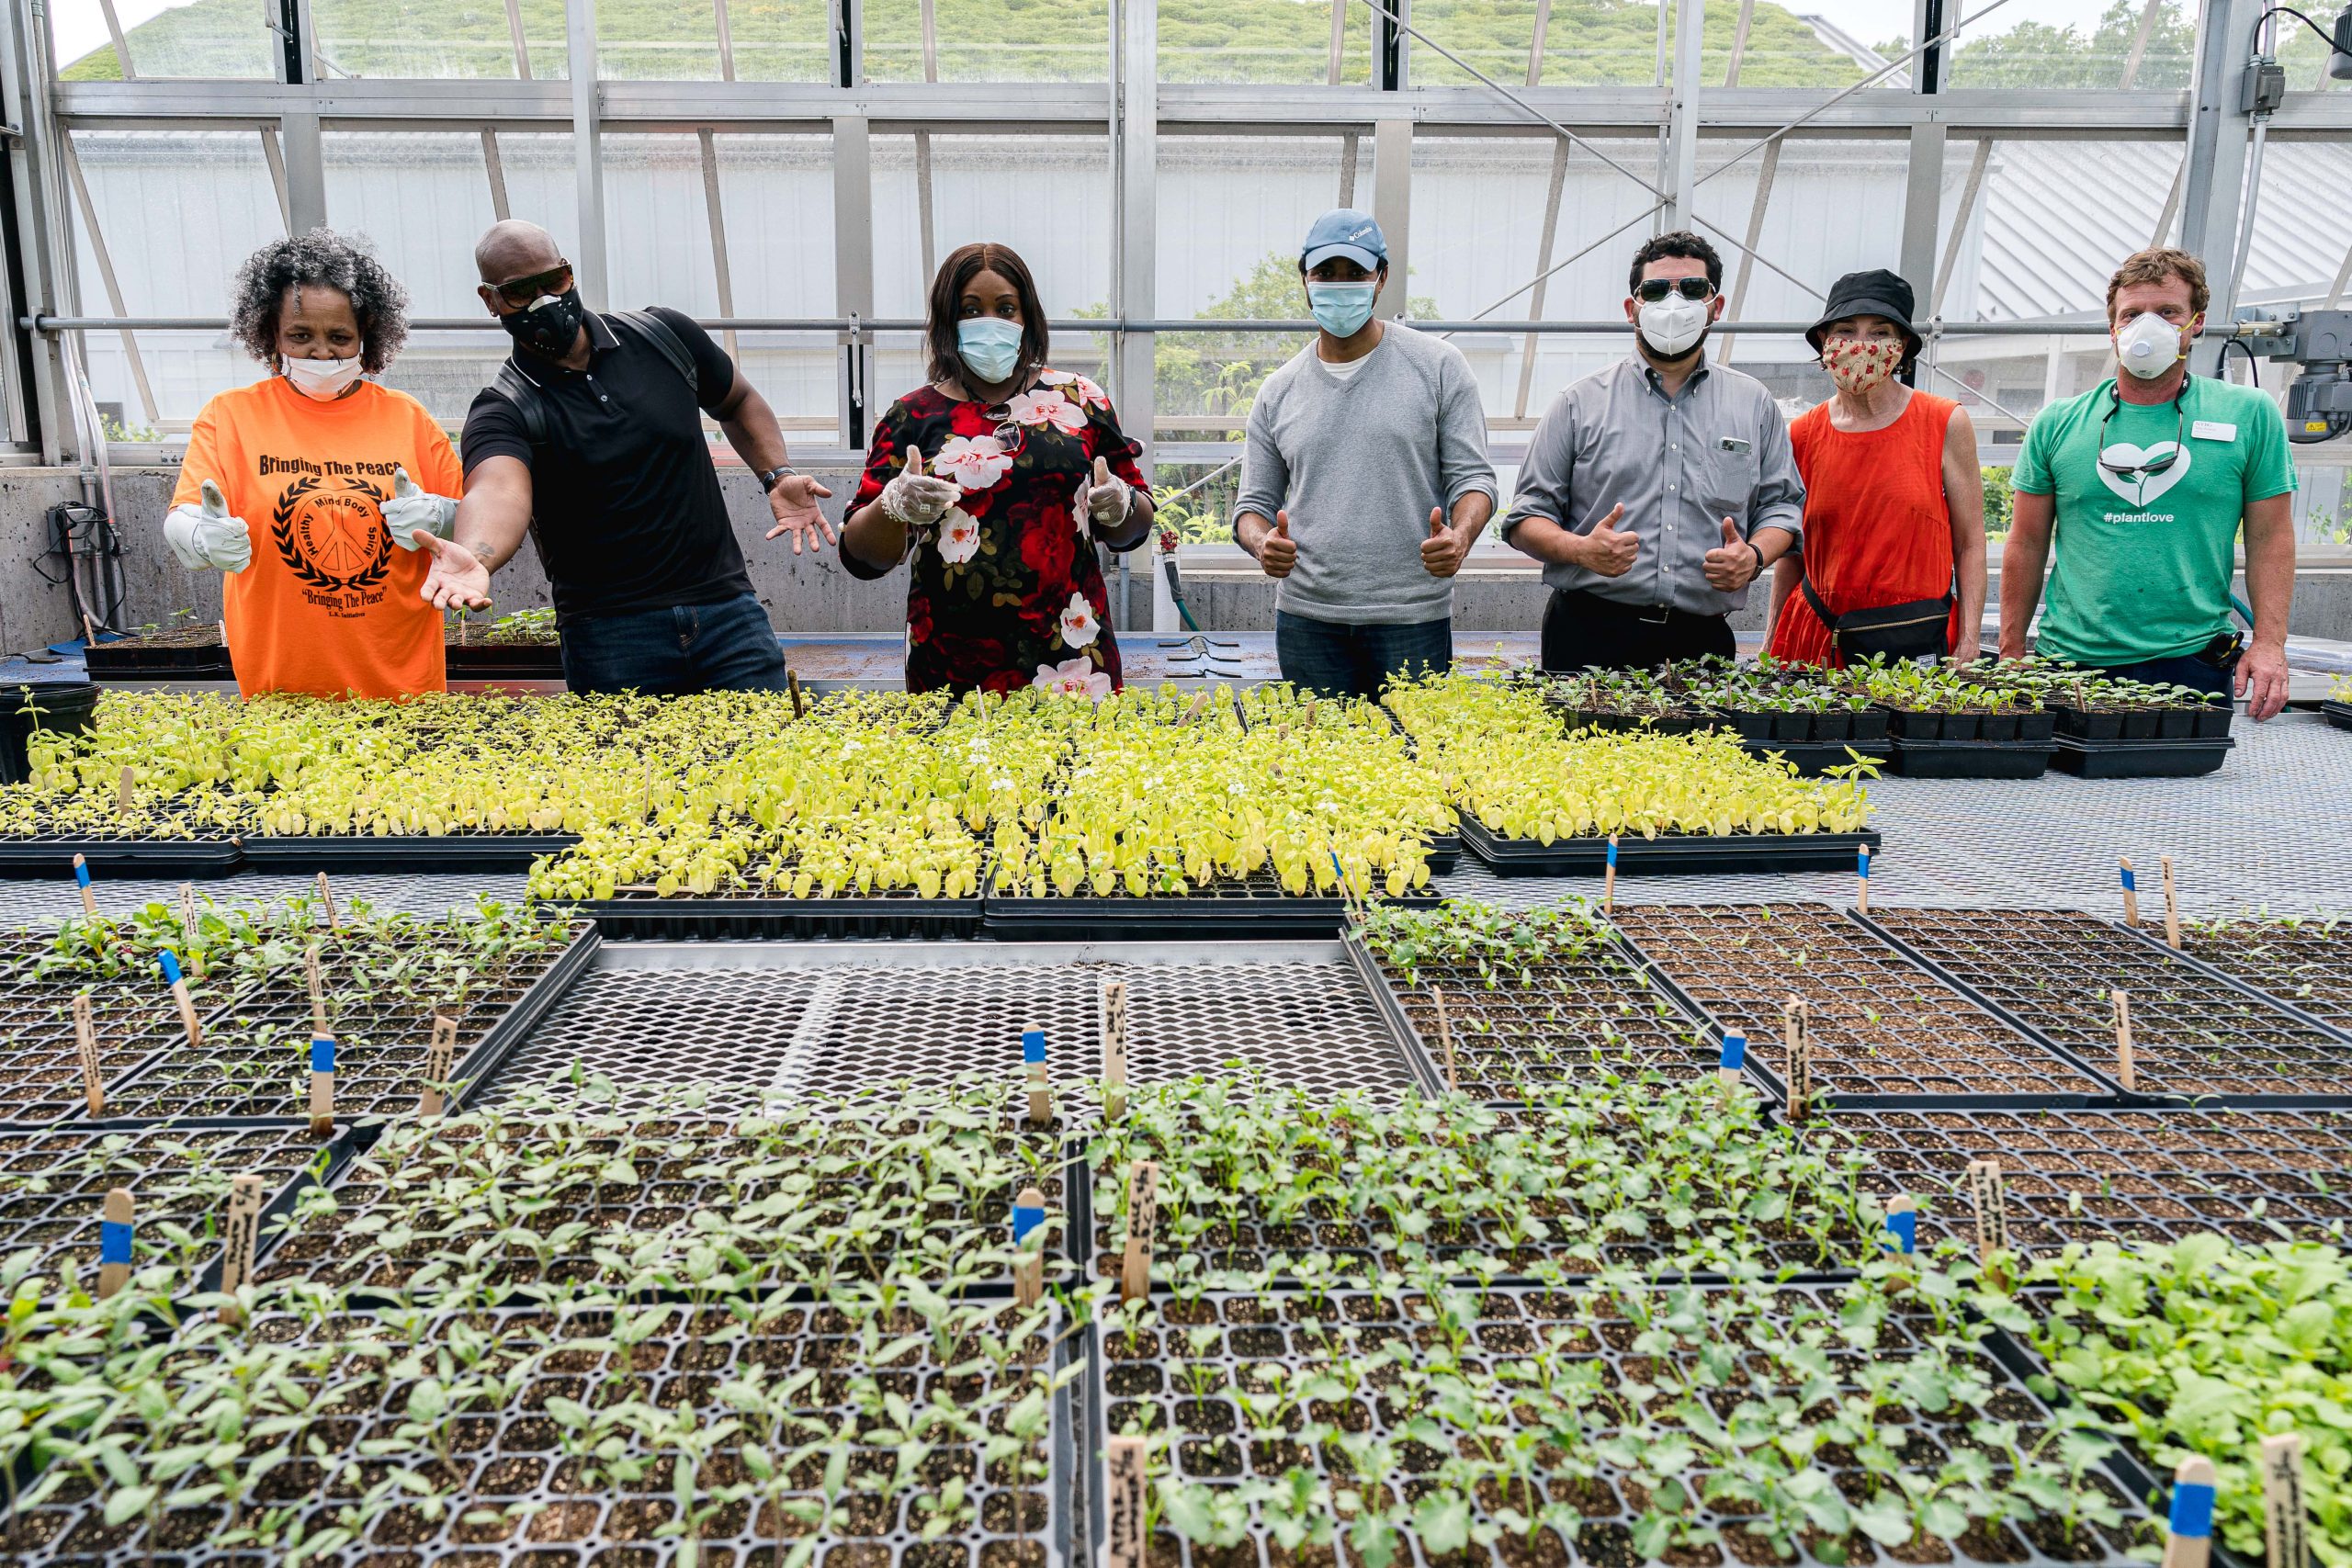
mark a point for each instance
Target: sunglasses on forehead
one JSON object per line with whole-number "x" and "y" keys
{"x": 518, "y": 292}
{"x": 1650, "y": 290}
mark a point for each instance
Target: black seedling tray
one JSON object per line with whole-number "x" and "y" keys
{"x": 2306, "y": 966}
{"x": 505, "y": 662}
{"x": 646, "y": 917}
{"x": 1677, "y": 854}
{"x": 1813, "y": 759}
{"x": 2197, "y": 1037}
{"x": 403, "y": 854}
{"x": 2200, "y": 721}
{"x": 46, "y": 854}
{"x": 2339, "y": 715}
{"x": 1258, "y": 907}
{"x": 1972, "y": 759}
{"x": 2126, "y": 1176}
{"x": 1887, "y": 1034}
{"x": 1201, "y": 1433}
{"x": 134, "y": 658}
{"x": 2035, "y": 728}
{"x": 2141, "y": 759}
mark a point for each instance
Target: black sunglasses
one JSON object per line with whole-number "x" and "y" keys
{"x": 518, "y": 292}
{"x": 2142, "y": 471}
{"x": 1650, "y": 290}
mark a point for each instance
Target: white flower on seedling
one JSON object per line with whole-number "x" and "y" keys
{"x": 1074, "y": 678}
{"x": 959, "y": 536}
{"x": 973, "y": 462}
{"x": 1078, "y": 624}
{"x": 1046, "y": 406}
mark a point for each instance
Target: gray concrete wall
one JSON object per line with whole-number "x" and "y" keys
{"x": 809, "y": 592}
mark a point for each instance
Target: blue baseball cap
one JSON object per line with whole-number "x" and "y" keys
{"x": 1344, "y": 231}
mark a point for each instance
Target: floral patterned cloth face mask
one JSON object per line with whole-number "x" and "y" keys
{"x": 1858, "y": 364}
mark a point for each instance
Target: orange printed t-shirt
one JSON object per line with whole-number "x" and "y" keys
{"x": 328, "y": 607}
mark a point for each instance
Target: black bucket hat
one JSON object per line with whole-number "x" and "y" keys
{"x": 1877, "y": 292}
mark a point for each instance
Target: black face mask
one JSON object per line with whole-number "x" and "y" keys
{"x": 550, "y": 326}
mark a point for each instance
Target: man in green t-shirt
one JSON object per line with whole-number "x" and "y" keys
{"x": 2142, "y": 483}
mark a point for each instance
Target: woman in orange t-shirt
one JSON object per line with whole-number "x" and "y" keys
{"x": 1893, "y": 496}
{"x": 313, "y": 489}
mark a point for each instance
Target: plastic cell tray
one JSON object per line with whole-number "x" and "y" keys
{"x": 1677, "y": 854}
{"x": 2198, "y": 1036}
{"x": 2202, "y": 721}
{"x": 2339, "y": 715}
{"x": 52, "y": 855}
{"x": 1814, "y": 758}
{"x": 1884, "y": 1031}
{"x": 646, "y": 917}
{"x": 134, "y": 658}
{"x": 396, "y": 855}
{"x": 1972, "y": 759}
{"x": 1147, "y": 1383}
{"x": 1257, "y": 908}
{"x": 2305, "y": 965}
{"x": 2141, "y": 759}
{"x": 505, "y": 662}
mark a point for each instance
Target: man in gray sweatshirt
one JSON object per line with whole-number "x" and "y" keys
{"x": 1365, "y": 479}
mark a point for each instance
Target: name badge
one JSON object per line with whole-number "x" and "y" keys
{"x": 2213, "y": 430}
{"x": 1736, "y": 444}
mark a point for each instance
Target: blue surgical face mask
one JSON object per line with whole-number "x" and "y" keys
{"x": 990, "y": 347}
{"x": 1341, "y": 309}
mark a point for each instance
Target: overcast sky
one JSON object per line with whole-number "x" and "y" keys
{"x": 81, "y": 24}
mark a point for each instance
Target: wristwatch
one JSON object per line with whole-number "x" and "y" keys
{"x": 772, "y": 477}
{"x": 1760, "y": 558}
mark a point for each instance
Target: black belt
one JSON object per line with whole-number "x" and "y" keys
{"x": 1617, "y": 609}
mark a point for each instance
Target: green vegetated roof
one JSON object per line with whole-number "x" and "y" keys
{"x": 1587, "y": 41}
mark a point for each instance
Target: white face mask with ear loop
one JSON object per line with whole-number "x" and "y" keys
{"x": 1672, "y": 324}
{"x": 325, "y": 380}
{"x": 2147, "y": 346}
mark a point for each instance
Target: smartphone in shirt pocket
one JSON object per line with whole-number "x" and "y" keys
{"x": 1728, "y": 475}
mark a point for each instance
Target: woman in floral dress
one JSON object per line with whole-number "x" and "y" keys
{"x": 996, "y": 481}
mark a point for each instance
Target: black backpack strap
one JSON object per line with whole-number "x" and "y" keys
{"x": 524, "y": 393}
{"x": 656, "y": 331}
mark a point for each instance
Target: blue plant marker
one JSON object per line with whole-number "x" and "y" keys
{"x": 322, "y": 1055}
{"x": 1862, "y": 863}
{"x": 171, "y": 965}
{"x": 1033, "y": 1047}
{"x": 1025, "y": 1220}
{"x": 2192, "y": 1509}
{"x": 2129, "y": 886}
{"x": 1902, "y": 1227}
{"x": 1613, "y": 851}
{"x": 81, "y": 871}
{"x": 114, "y": 1242}
{"x": 1735, "y": 1053}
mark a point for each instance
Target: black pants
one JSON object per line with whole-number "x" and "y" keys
{"x": 1581, "y": 629}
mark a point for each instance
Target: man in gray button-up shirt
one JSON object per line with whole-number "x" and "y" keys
{"x": 1654, "y": 491}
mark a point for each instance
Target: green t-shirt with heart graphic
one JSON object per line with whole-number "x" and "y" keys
{"x": 2144, "y": 559}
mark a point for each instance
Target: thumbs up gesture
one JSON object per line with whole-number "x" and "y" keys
{"x": 411, "y": 509}
{"x": 205, "y": 537}
{"x": 1608, "y": 552}
{"x": 1278, "y": 552}
{"x": 1108, "y": 497}
{"x": 1732, "y": 565}
{"x": 1442, "y": 551}
{"x": 915, "y": 499}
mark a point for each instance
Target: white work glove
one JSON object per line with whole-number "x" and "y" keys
{"x": 1109, "y": 498}
{"x": 411, "y": 508}
{"x": 205, "y": 537}
{"x": 914, "y": 499}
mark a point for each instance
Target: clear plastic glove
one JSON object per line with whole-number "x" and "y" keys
{"x": 1108, "y": 498}
{"x": 915, "y": 499}
{"x": 412, "y": 508}
{"x": 206, "y": 538}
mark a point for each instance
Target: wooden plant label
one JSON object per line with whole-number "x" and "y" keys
{"x": 323, "y": 1086}
{"x": 82, "y": 882}
{"x": 1445, "y": 1039}
{"x": 1734, "y": 1058}
{"x": 647, "y": 810}
{"x": 799, "y": 703}
{"x": 1029, "y": 1265}
{"x": 1901, "y": 1224}
{"x": 1609, "y": 878}
{"x": 86, "y": 1037}
{"x": 1041, "y": 1087}
{"x": 241, "y": 1237}
{"x": 1143, "y": 1218}
{"x": 2172, "y": 905}
{"x": 170, "y": 963}
{"x": 114, "y": 1241}
{"x": 1124, "y": 1459}
{"x": 318, "y": 991}
{"x": 1115, "y": 1048}
{"x": 2125, "y": 1073}
{"x": 1799, "y": 1052}
{"x": 439, "y": 1058}
{"x": 2285, "y": 1516}
{"x": 123, "y": 789}
{"x": 1989, "y": 1195}
{"x": 2131, "y": 894}
{"x": 190, "y": 927}
{"x": 1862, "y": 880}
{"x": 2190, "y": 1542}
{"x": 326, "y": 899}
{"x": 1192, "y": 709}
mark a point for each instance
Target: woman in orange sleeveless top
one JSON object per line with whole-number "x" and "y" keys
{"x": 1893, "y": 497}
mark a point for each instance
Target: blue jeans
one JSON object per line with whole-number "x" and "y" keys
{"x": 2217, "y": 682}
{"x": 1331, "y": 660}
{"x": 726, "y": 646}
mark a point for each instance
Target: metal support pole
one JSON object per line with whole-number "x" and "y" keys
{"x": 121, "y": 45}
{"x": 494, "y": 168}
{"x": 1764, "y": 179}
{"x": 925, "y": 218}
{"x": 1390, "y": 44}
{"x": 1690, "y": 33}
{"x": 726, "y": 40}
{"x": 853, "y": 269}
{"x": 1923, "y": 196}
{"x": 34, "y": 375}
{"x": 1134, "y": 378}
{"x": 522, "y": 45}
{"x": 1961, "y": 217}
{"x": 276, "y": 159}
{"x": 106, "y": 276}
{"x": 718, "y": 214}
{"x": 1542, "y": 269}
{"x": 1536, "y": 43}
{"x": 2216, "y": 168}
{"x": 587, "y": 152}
{"x": 1392, "y": 208}
{"x": 2140, "y": 37}
{"x": 1739, "y": 42}
{"x": 306, "y": 171}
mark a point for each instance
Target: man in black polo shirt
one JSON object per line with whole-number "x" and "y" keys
{"x": 591, "y": 441}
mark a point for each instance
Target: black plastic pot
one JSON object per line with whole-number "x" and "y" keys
{"x": 2141, "y": 724}
{"x": 2183, "y": 758}
{"x": 1997, "y": 727}
{"x": 1832, "y": 727}
{"x": 1870, "y": 724}
{"x": 66, "y": 707}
